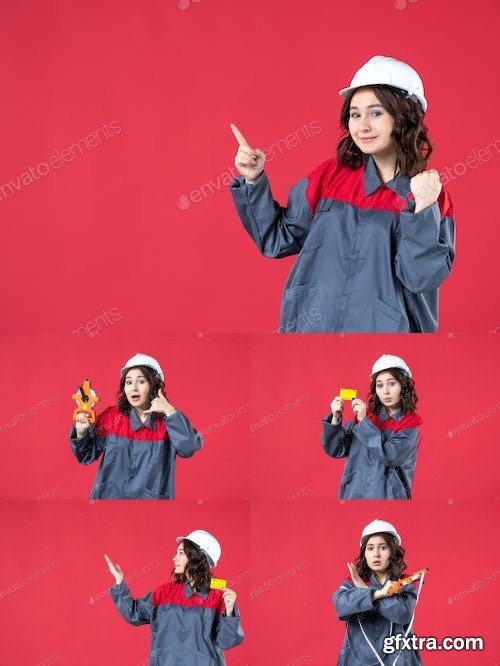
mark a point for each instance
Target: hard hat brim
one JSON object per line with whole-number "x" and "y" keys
{"x": 422, "y": 100}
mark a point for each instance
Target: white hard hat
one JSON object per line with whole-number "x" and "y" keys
{"x": 144, "y": 359}
{"x": 387, "y": 361}
{"x": 207, "y": 543}
{"x": 377, "y": 526}
{"x": 382, "y": 70}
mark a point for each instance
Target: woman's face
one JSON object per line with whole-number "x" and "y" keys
{"x": 377, "y": 554}
{"x": 370, "y": 125}
{"x": 388, "y": 390}
{"x": 137, "y": 389}
{"x": 180, "y": 560}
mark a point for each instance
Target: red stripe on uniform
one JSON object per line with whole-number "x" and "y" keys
{"x": 332, "y": 181}
{"x": 408, "y": 421}
{"x": 113, "y": 422}
{"x": 173, "y": 593}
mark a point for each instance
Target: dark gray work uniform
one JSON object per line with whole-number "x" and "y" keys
{"x": 381, "y": 454}
{"x": 138, "y": 460}
{"x": 187, "y": 628}
{"x": 367, "y": 262}
{"x": 379, "y": 619}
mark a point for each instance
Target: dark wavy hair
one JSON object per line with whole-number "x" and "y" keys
{"x": 154, "y": 381}
{"x": 413, "y": 146}
{"x": 197, "y": 568}
{"x": 408, "y": 398}
{"x": 397, "y": 564}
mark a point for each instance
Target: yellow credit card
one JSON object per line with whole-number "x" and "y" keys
{"x": 348, "y": 394}
{"x": 217, "y": 583}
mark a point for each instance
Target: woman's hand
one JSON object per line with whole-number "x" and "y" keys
{"x": 337, "y": 408}
{"x": 380, "y": 594}
{"x": 82, "y": 424}
{"x": 248, "y": 161}
{"x": 426, "y": 188}
{"x": 355, "y": 576}
{"x": 359, "y": 408}
{"x": 115, "y": 570}
{"x": 160, "y": 405}
{"x": 229, "y": 598}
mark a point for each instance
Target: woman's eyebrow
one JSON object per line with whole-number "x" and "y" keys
{"x": 370, "y": 106}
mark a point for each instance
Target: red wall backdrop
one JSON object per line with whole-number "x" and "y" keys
{"x": 299, "y": 554}
{"x": 138, "y": 217}
{"x": 64, "y": 615}
{"x": 284, "y": 577}
{"x": 459, "y": 393}
{"x": 206, "y": 378}
{"x": 255, "y": 452}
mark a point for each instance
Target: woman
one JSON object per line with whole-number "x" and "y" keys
{"x": 373, "y": 230}
{"x": 381, "y": 443}
{"x": 191, "y": 624}
{"x": 365, "y": 605}
{"x": 138, "y": 440}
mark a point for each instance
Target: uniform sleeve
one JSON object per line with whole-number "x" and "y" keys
{"x": 391, "y": 448}
{"x": 133, "y": 611}
{"x": 277, "y": 231}
{"x": 426, "y": 246}
{"x": 90, "y": 447}
{"x": 350, "y": 600}
{"x": 336, "y": 439}
{"x": 398, "y": 608}
{"x": 183, "y": 437}
{"x": 228, "y": 631}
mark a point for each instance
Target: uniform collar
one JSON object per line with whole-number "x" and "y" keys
{"x": 375, "y": 581}
{"x": 136, "y": 421}
{"x": 399, "y": 184}
{"x": 384, "y": 415}
{"x": 188, "y": 592}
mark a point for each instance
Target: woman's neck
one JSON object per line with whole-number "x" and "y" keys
{"x": 386, "y": 166}
{"x": 142, "y": 417}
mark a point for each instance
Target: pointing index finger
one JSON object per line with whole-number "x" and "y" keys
{"x": 239, "y": 136}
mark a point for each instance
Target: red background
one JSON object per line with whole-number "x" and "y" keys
{"x": 105, "y": 230}
{"x": 206, "y": 378}
{"x": 456, "y": 379}
{"x": 66, "y": 611}
{"x": 458, "y": 542}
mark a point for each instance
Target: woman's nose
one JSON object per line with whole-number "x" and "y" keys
{"x": 364, "y": 125}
